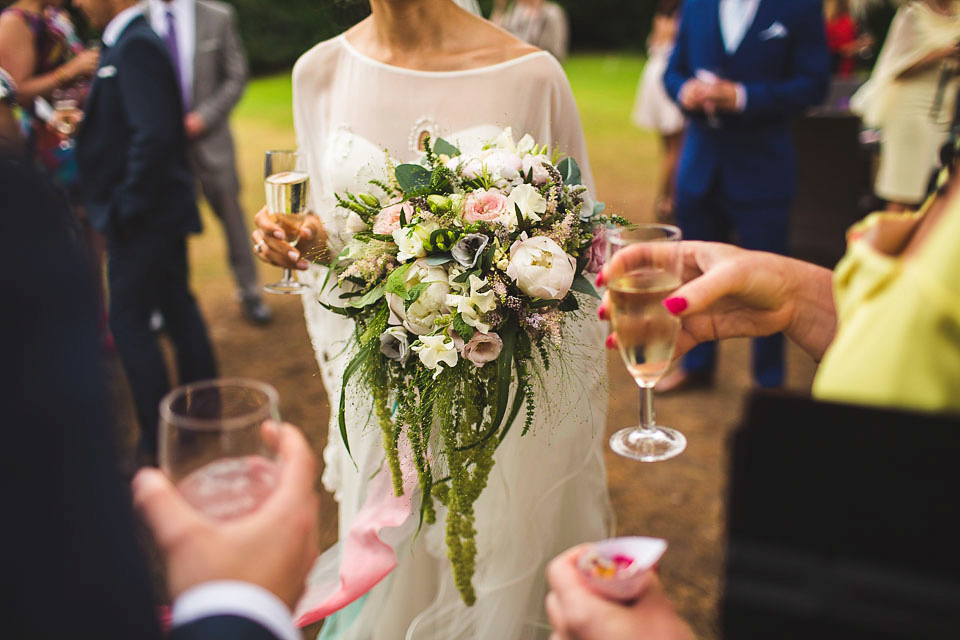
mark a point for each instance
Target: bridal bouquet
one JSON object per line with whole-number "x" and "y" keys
{"x": 458, "y": 275}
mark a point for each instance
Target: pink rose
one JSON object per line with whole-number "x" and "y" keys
{"x": 388, "y": 220}
{"x": 596, "y": 252}
{"x": 484, "y": 205}
{"x": 482, "y": 348}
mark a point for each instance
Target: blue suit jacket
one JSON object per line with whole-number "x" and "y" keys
{"x": 131, "y": 147}
{"x": 783, "y": 64}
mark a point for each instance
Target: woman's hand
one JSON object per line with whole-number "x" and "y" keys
{"x": 577, "y": 613}
{"x": 83, "y": 64}
{"x": 730, "y": 292}
{"x": 270, "y": 245}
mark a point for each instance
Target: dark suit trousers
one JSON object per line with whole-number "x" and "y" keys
{"x": 147, "y": 271}
{"x": 757, "y": 226}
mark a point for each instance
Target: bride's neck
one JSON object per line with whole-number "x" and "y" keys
{"x": 412, "y": 27}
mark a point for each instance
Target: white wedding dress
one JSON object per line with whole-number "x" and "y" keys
{"x": 547, "y": 490}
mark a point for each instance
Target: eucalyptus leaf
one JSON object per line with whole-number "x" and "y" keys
{"x": 444, "y": 147}
{"x": 412, "y": 177}
{"x": 369, "y": 297}
{"x": 439, "y": 259}
{"x": 570, "y": 171}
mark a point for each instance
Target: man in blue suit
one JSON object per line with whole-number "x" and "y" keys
{"x": 138, "y": 191}
{"x": 741, "y": 69}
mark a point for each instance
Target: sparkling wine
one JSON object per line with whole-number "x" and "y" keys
{"x": 287, "y": 192}
{"x": 65, "y": 115}
{"x": 230, "y": 487}
{"x": 645, "y": 330}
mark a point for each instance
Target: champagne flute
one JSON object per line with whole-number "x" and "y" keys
{"x": 286, "y": 183}
{"x": 646, "y": 331}
{"x": 66, "y": 114}
{"x": 212, "y": 444}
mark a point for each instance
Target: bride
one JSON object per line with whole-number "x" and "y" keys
{"x": 416, "y": 69}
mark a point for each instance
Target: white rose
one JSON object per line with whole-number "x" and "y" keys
{"x": 529, "y": 200}
{"x": 470, "y": 167}
{"x": 433, "y": 350}
{"x": 541, "y": 268}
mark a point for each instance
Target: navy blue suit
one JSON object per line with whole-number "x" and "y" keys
{"x": 76, "y": 568}
{"x": 138, "y": 191}
{"x": 738, "y": 172}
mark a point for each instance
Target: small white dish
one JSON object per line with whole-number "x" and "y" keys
{"x": 615, "y": 567}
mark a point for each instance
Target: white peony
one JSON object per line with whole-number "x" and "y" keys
{"x": 541, "y": 268}
{"x": 433, "y": 350}
{"x": 529, "y": 200}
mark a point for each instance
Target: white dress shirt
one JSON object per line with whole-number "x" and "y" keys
{"x": 228, "y": 597}
{"x": 736, "y": 16}
{"x": 185, "y": 17}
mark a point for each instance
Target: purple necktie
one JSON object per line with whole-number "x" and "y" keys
{"x": 171, "y": 39}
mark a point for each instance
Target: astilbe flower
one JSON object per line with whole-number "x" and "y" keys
{"x": 371, "y": 267}
{"x": 544, "y": 323}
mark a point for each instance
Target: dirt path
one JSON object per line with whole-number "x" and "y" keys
{"x": 680, "y": 500}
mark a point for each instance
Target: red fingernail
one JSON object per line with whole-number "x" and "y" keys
{"x": 675, "y": 305}
{"x": 602, "y": 312}
{"x": 611, "y": 342}
{"x": 600, "y": 280}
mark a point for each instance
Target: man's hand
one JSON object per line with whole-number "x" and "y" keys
{"x": 194, "y": 125}
{"x": 693, "y": 94}
{"x": 577, "y": 613}
{"x": 722, "y": 95}
{"x": 273, "y": 547}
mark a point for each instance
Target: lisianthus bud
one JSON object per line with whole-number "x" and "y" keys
{"x": 438, "y": 203}
{"x": 368, "y": 200}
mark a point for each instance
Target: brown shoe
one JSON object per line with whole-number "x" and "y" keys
{"x": 680, "y": 380}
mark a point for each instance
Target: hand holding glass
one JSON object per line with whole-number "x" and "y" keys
{"x": 646, "y": 331}
{"x": 286, "y": 183}
{"x": 212, "y": 444}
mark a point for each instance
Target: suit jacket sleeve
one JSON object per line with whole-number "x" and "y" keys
{"x": 809, "y": 77}
{"x": 678, "y": 67}
{"x": 225, "y": 627}
{"x": 151, "y": 109}
{"x": 233, "y": 63}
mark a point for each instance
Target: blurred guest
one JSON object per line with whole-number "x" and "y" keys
{"x": 40, "y": 49}
{"x": 653, "y": 109}
{"x": 767, "y": 62}
{"x": 138, "y": 190}
{"x": 212, "y": 72}
{"x": 843, "y": 39}
{"x": 10, "y": 138}
{"x": 539, "y": 22}
{"x": 883, "y": 325}
{"x": 77, "y": 548}
{"x": 910, "y": 97}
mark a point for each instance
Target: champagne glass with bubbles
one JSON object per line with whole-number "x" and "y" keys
{"x": 286, "y": 183}
{"x": 213, "y": 445}
{"x": 646, "y": 332}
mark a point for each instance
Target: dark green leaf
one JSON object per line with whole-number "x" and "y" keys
{"x": 465, "y": 276}
{"x": 444, "y": 147}
{"x": 569, "y": 303}
{"x": 395, "y": 283}
{"x": 464, "y": 330}
{"x": 414, "y": 293}
{"x": 352, "y": 368}
{"x": 370, "y": 296}
{"x": 582, "y": 285}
